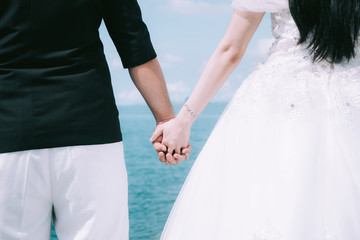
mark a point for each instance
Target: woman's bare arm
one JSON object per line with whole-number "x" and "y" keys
{"x": 221, "y": 64}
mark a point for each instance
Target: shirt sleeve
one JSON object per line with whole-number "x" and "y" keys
{"x": 260, "y": 5}
{"x": 129, "y": 33}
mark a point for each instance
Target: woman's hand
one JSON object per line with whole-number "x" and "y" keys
{"x": 170, "y": 159}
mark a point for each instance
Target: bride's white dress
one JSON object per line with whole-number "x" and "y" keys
{"x": 283, "y": 162}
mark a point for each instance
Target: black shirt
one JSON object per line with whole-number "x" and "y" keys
{"x": 55, "y": 87}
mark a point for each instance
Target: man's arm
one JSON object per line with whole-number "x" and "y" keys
{"x": 132, "y": 40}
{"x": 131, "y": 37}
{"x": 149, "y": 80}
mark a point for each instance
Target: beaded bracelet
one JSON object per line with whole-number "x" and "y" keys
{"x": 190, "y": 110}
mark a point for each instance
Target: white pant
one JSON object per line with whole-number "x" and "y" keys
{"x": 85, "y": 185}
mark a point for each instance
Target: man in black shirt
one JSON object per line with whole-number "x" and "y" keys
{"x": 60, "y": 139}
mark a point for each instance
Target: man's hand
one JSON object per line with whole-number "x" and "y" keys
{"x": 160, "y": 149}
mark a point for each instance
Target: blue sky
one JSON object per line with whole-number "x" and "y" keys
{"x": 184, "y": 34}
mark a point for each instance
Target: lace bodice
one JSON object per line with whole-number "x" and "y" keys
{"x": 287, "y": 35}
{"x": 291, "y": 78}
{"x": 284, "y": 30}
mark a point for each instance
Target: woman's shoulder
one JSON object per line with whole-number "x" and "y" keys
{"x": 260, "y": 5}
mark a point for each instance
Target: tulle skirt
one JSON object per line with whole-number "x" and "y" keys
{"x": 283, "y": 161}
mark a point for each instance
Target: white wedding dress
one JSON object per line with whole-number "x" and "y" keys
{"x": 283, "y": 162}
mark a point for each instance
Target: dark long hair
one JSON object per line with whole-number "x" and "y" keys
{"x": 329, "y": 27}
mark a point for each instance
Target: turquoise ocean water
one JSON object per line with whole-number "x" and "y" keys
{"x": 153, "y": 186}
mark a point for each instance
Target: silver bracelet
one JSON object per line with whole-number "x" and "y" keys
{"x": 190, "y": 110}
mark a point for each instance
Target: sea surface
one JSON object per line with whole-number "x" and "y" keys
{"x": 153, "y": 186}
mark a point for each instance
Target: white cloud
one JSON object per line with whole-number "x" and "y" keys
{"x": 129, "y": 97}
{"x": 115, "y": 63}
{"x": 202, "y": 67}
{"x": 265, "y": 44}
{"x": 168, "y": 59}
{"x": 178, "y": 91}
{"x": 262, "y": 48}
{"x": 198, "y": 8}
{"x": 226, "y": 92}
{"x": 238, "y": 76}
{"x": 173, "y": 58}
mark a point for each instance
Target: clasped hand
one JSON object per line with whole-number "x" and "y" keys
{"x": 171, "y": 141}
